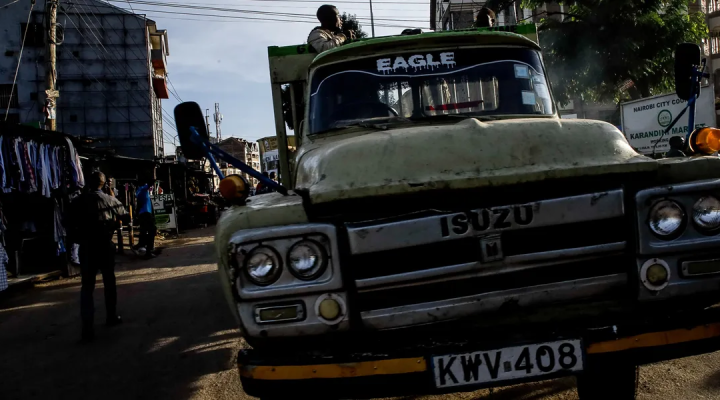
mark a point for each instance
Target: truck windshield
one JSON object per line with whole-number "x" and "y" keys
{"x": 421, "y": 85}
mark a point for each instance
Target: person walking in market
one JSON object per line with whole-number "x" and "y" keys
{"x": 148, "y": 229}
{"x": 94, "y": 216}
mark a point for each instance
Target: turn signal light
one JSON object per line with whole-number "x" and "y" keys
{"x": 705, "y": 141}
{"x": 234, "y": 188}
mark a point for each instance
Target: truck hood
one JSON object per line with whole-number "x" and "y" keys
{"x": 469, "y": 154}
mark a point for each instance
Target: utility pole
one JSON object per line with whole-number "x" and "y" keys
{"x": 51, "y": 93}
{"x": 372, "y": 20}
{"x": 218, "y": 119}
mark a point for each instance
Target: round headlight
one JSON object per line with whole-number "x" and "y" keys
{"x": 706, "y": 213}
{"x": 262, "y": 266}
{"x": 307, "y": 259}
{"x": 666, "y": 218}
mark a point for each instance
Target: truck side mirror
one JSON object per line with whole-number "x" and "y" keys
{"x": 189, "y": 114}
{"x": 687, "y": 56}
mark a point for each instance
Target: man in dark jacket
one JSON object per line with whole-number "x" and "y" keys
{"x": 94, "y": 216}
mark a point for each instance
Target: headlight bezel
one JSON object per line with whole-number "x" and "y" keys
{"x": 698, "y": 226}
{"x": 278, "y": 268}
{"x": 323, "y": 262}
{"x": 281, "y": 238}
{"x": 680, "y": 228}
{"x": 685, "y": 194}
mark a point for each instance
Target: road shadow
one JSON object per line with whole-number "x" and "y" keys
{"x": 712, "y": 381}
{"x": 530, "y": 391}
{"x": 177, "y": 330}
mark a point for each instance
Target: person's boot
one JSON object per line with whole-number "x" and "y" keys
{"x": 150, "y": 254}
{"x": 114, "y": 321}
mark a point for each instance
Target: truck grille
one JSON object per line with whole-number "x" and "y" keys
{"x": 435, "y": 255}
{"x": 468, "y": 286}
{"x": 417, "y": 270}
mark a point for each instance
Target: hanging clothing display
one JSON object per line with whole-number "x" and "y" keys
{"x": 28, "y": 166}
{"x": 3, "y": 269}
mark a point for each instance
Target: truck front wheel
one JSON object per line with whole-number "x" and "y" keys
{"x": 616, "y": 381}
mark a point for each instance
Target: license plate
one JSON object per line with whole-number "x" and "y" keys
{"x": 506, "y": 364}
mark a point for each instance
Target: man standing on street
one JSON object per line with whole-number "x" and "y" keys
{"x": 329, "y": 34}
{"x": 148, "y": 230}
{"x": 95, "y": 216}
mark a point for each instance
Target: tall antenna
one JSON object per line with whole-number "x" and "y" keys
{"x": 218, "y": 119}
{"x": 207, "y": 119}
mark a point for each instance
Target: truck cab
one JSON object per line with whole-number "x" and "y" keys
{"x": 445, "y": 231}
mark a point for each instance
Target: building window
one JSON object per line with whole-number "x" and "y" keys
{"x": 5, "y": 98}
{"x": 9, "y": 53}
{"x": 73, "y": 118}
{"x": 33, "y": 96}
{"x": 134, "y": 84}
{"x": 35, "y": 34}
{"x": 76, "y": 54}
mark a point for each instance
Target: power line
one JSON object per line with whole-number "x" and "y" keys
{"x": 13, "y": 2}
{"x": 173, "y": 90}
{"x": 22, "y": 47}
{"x": 244, "y": 11}
{"x": 264, "y": 19}
{"x": 303, "y": 7}
{"x": 323, "y": 1}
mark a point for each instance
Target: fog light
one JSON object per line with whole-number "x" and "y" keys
{"x": 655, "y": 274}
{"x": 330, "y": 308}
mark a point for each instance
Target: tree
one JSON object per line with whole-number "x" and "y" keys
{"x": 350, "y": 22}
{"x": 595, "y": 46}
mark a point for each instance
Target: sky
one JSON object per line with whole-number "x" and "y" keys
{"x": 214, "y": 60}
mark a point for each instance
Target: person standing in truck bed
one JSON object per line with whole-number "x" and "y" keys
{"x": 329, "y": 34}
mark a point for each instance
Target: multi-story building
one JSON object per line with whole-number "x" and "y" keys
{"x": 243, "y": 150}
{"x": 111, "y": 73}
{"x": 712, "y": 9}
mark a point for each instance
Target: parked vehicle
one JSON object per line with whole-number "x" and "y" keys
{"x": 446, "y": 231}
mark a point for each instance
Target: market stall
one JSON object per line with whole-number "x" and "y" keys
{"x": 40, "y": 171}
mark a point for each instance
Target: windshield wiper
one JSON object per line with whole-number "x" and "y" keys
{"x": 457, "y": 116}
{"x": 374, "y": 123}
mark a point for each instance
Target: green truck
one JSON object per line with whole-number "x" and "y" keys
{"x": 445, "y": 231}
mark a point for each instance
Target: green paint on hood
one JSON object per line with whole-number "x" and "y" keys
{"x": 470, "y": 154}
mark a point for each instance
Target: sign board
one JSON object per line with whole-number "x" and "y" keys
{"x": 645, "y": 120}
{"x": 269, "y": 155}
{"x": 164, "y": 208}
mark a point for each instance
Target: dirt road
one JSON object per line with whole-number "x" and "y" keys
{"x": 179, "y": 342}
